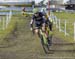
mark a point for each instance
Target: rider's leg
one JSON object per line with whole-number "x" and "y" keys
{"x": 50, "y": 26}
{"x": 36, "y": 31}
{"x": 43, "y": 27}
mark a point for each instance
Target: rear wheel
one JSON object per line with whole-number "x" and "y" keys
{"x": 50, "y": 40}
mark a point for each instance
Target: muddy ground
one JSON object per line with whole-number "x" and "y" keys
{"x": 22, "y": 44}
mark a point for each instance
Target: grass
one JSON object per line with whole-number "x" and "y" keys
{"x": 69, "y": 17}
{"x": 8, "y": 30}
{"x": 28, "y": 46}
{"x": 8, "y": 10}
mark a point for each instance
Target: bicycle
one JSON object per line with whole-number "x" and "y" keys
{"x": 46, "y": 41}
{"x": 46, "y": 38}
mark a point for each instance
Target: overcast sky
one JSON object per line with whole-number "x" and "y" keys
{"x": 26, "y": 0}
{"x": 46, "y": 0}
{"x": 11, "y": 0}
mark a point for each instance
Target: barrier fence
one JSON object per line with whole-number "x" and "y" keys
{"x": 5, "y": 19}
{"x": 68, "y": 28}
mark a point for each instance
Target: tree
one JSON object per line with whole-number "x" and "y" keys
{"x": 33, "y": 2}
{"x": 42, "y": 2}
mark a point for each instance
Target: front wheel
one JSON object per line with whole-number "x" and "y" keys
{"x": 45, "y": 45}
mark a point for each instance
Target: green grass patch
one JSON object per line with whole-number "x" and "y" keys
{"x": 8, "y": 30}
{"x": 65, "y": 16}
{"x": 69, "y": 17}
{"x": 62, "y": 36}
{"x": 8, "y": 10}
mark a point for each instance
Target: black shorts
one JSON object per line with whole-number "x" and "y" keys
{"x": 38, "y": 26}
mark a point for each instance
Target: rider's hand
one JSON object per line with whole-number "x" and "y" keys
{"x": 31, "y": 29}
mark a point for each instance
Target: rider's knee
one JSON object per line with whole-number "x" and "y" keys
{"x": 43, "y": 28}
{"x": 36, "y": 31}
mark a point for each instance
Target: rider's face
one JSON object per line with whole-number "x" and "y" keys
{"x": 36, "y": 14}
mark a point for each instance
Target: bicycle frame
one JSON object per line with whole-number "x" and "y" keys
{"x": 44, "y": 37}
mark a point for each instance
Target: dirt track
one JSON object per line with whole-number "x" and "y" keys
{"x": 26, "y": 46}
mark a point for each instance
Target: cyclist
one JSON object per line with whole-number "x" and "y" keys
{"x": 38, "y": 20}
{"x": 49, "y": 21}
